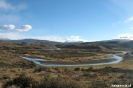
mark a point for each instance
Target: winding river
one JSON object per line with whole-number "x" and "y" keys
{"x": 44, "y": 62}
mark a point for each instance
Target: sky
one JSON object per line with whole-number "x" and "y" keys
{"x": 66, "y": 20}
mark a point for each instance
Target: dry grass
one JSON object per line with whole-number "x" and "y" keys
{"x": 85, "y": 76}
{"x": 11, "y": 66}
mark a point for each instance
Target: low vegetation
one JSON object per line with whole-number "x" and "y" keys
{"x": 74, "y": 77}
{"x": 16, "y": 72}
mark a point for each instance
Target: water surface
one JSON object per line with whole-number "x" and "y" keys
{"x": 44, "y": 62}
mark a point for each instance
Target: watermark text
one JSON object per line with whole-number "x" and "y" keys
{"x": 121, "y": 86}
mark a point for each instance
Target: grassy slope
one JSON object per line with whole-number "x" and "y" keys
{"x": 11, "y": 66}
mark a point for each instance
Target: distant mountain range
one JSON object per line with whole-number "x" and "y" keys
{"x": 66, "y": 42}
{"x": 39, "y": 41}
{"x": 31, "y": 41}
{"x": 120, "y": 40}
{"x": 106, "y": 44}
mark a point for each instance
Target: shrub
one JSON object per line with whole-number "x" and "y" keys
{"x": 22, "y": 82}
{"x": 39, "y": 69}
{"x": 90, "y": 68}
{"x": 98, "y": 84}
{"x": 6, "y": 77}
{"x": 77, "y": 69}
{"x": 83, "y": 69}
{"x": 49, "y": 82}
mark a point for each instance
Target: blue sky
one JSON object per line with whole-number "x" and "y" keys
{"x": 66, "y": 20}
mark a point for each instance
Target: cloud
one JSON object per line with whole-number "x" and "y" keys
{"x": 7, "y": 11}
{"x": 11, "y": 35}
{"x": 24, "y": 28}
{"x": 74, "y": 39}
{"x": 51, "y": 38}
{"x": 20, "y": 7}
{"x": 16, "y": 36}
{"x": 125, "y": 36}
{"x": 7, "y": 27}
{"x": 123, "y": 7}
{"x": 8, "y": 7}
{"x": 9, "y": 18}
{"x": 4, "y": 5}
{"x": 129, "y": 19}
{"x": 20, "y": 29}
